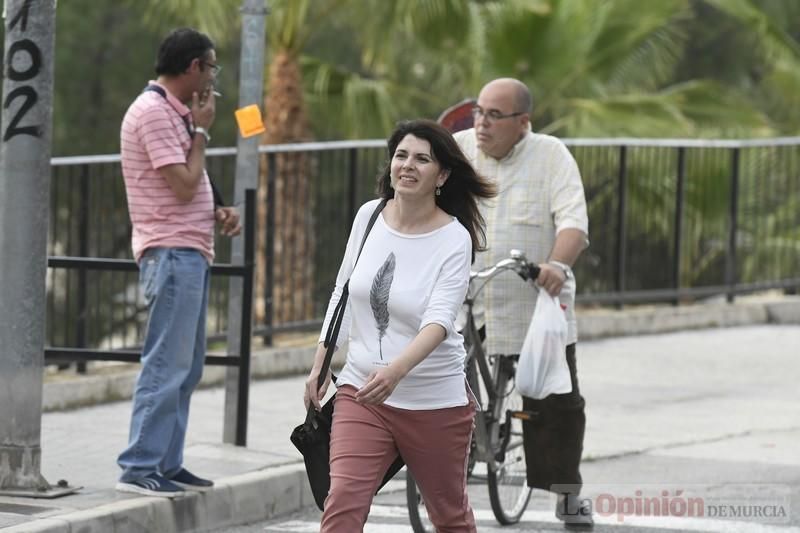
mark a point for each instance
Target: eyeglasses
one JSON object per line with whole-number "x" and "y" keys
{"x": 493, "y": 114}
{"x": 215, "y": 69}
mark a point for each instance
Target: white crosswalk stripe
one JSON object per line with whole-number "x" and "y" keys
{"x": 393, "y": 519}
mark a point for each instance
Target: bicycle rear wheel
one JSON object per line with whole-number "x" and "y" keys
{"x": 508, "y": 487}
{"x": 417, "y": 513}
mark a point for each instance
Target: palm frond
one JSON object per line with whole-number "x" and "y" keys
{"x": 777, "y": 41}
{"x": 691, "y": 109}
{"x": 220, "y": 19}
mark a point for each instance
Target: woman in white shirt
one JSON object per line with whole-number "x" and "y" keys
{"x": 403, "y": 389}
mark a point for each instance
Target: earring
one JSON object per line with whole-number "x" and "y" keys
{"x": 438, "y": 191}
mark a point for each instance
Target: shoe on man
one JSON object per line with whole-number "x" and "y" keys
{"x": 574, "y": 512}
{"x": 151, "y": 485}
{"x": 187, "y": 480}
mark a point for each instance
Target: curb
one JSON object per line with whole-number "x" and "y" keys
{"x": 626, "y": 322}
{"x": 250, "y": 497}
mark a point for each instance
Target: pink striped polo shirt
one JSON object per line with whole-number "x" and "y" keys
{"x": 154, "y": 135}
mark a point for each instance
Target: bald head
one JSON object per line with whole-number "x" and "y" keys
{"x": 501, "y": 120}
{"x": 518, "y": 91}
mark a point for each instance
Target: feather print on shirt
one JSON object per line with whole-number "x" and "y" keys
{"x": 379, "y": 297}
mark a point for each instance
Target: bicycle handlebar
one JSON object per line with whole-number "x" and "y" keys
{"x": 516, "y": 262}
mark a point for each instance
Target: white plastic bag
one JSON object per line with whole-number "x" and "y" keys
{"x": 542, "y": 368}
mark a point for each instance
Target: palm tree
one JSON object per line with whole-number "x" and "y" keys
{"x": 608, "y": 68}
{"x": 612, "y": 67}
{"x": 287, "y": 122}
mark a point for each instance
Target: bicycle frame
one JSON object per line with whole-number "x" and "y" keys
{"x": 493, "y": 376}
{"x": 487, "y": 428}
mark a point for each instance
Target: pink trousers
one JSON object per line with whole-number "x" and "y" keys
{"x": 365, "y": 440}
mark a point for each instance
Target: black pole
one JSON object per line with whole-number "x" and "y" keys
{"x": 678, "y": 244}
{"x": 730, "y": 252}
{"x": 83, "y": 245}
{"x": 622, "y": 199}
{"x": 269, "y": 261}
{"x": 242, "y": 405}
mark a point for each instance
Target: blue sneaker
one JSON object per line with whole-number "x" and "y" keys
{"x": 187, "y": 480}
{"x": 151, "y": 485}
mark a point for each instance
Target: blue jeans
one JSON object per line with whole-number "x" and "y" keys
{"x": 174, "y": 282}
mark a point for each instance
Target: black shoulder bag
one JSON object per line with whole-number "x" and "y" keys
{"x": 313, "y": 437}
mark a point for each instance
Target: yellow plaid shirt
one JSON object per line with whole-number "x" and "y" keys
{"x": 539, "y": 194}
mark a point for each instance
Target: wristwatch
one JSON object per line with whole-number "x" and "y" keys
{"x": 563, "y": 266}
{"x": 204, "y": 133}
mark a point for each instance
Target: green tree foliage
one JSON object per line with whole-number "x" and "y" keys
{"x": 627, "y": 68}
{"x": 672, "y": 68}
{"x": 105, "y": 53}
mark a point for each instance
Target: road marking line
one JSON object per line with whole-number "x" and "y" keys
{"x": 486, "y": 518}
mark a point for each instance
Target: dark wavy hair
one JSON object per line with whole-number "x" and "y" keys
{"x": 462, "y": 190}
{"x": 180, "y": 48}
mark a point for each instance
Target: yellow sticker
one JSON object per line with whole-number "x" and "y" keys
{"x": 249, "y": 120}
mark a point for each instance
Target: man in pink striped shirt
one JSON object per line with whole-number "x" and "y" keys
{"x": 172, "y": 206}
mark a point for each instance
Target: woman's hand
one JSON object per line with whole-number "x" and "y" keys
{"x": 313, "y": 395}
{"x": 382, "y": 382}
{"x": 380, "y": 385}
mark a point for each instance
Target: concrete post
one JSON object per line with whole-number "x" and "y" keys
{"x": 24, "y": 207}
{"x": 251, "y": 91}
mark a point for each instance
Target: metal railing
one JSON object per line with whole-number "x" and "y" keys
{"x": 676, "y": 220}
{"x": 84, "y": 265}
{"x": 670, "y": 221}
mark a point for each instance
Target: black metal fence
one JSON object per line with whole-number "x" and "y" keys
{"x": 90, "y": 269}
{"x": 670, "y": 220}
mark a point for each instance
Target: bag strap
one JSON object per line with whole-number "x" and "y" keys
{"x": 218, "y": 201}
{"x": 338, "y": 313}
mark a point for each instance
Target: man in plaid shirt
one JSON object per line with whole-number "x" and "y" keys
{"x": 541, "y": 210}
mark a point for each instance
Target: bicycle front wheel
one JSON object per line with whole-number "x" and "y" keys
{"x": 508, "y": 487}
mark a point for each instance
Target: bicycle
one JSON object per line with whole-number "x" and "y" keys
{"x": 497, "y": 439}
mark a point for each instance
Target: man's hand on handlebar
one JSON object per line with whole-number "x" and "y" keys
{"x": 551, "y": 278}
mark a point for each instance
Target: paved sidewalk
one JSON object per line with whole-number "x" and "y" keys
{"x": 81, "y": 446}
{"x": 643, "y": 393}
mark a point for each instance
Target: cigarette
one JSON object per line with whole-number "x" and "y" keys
{"x": 217, "y": 94}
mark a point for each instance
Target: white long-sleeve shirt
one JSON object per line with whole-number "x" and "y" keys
{"x": 401, "y": 283}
